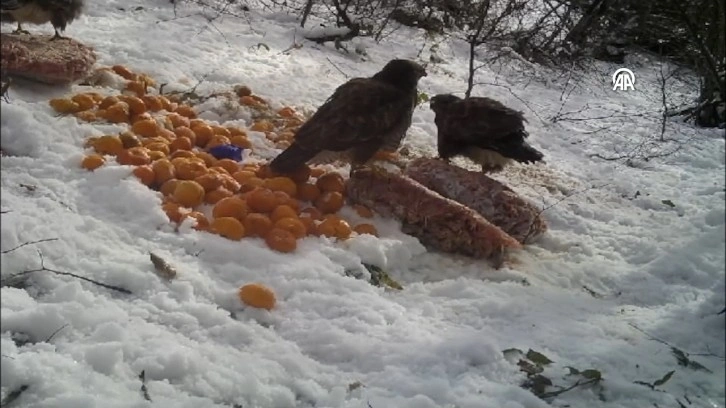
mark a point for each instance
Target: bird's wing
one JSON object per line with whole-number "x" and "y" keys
{"x": 359, "y": 111}
{"x": 480, "y": 118}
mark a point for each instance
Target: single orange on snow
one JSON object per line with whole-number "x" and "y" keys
{"x": 257, "y": 295}
{"x": 335, "y": 227}
{"x": 189, "y": 193}
{"x": 92, "y": 161}
{"x": 124, "y": 72}
{"x": 64, "y": 105}
{"x": 281, "y": 240}
{"x": 228, "y": 227}
{"x": 230, "y": 207}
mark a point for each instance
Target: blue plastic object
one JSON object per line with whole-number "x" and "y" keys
{"x": 227, "y": 151}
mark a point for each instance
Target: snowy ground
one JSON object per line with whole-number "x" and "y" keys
{"x": 616, "y": 257}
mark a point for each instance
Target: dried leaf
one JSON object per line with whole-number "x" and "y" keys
{"x": 591, "y": 374}
{"x": 664, "y": 379}
{"x": 512, "y": 353}
{"x": 354, "y": 386}
{"x": 380, "y": 278}
{"x": 669, "y": 203}
{"x": 529, "y": 368}
{"x": 538, "y": 358}
{"x": 572, "y": 370}
{"x": 162, "y": 267}
{"x": 537, "y": 384}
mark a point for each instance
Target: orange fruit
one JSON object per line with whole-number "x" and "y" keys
{"x": 214, "y": 196}
{"x": 124, "y": 72}
{"x": 257, "y": 295}
{"x": 311, "y": 212}
{"x": 182, "y": 153}
{"x": 152, "y": 102}
{"x": 178, "y": 120}
{"x": 257, "y": 224}
{"x": 186, "y": 110}
{"x": 262, "y": 200}
{"x": 293, "y": 225}
{"x": 209, "y": 181}
{"x": 207, "y": 158}
{"x": 228, "y": 164}
{"x": 202, "y": 223}
{"x": 166, "y": 134}
{"x": 188, "y": 193}
{"x": 173, "y": 211}
{"x": 283, "y": 211}
{"x": 165, "y": 103}
{"x": 159, "y": 147}
{"x": 117, "y": 113}
{"x": 145, "y": 173}
{"x": 221, "y": 130}
{"x": 156, "y": 155}
{"x": 308, "y": 192}
{"x": 329, "y": 202}
{"x": 217, "y": 140}
{"x": 230, "y": 207}
{"x": 204, "y": 134}
{"x": 281, "y": 240}
{"x": 229, "y": 183}
{"x": 86, "y": 116}
{"x": 366, "y": 229}
{"x": 228, "y": 227}
{"x": 129, "y": 139}
{"x": 108, "y": 101}
{"x": 301, "y": 175}
{"x": 262, "y": 126}
{"x": 235, "y": 131}
{"x": 310, "y": 227}
{"x": 164, "y": 170}
{"x": 335, "y": 227}
{"x": 265, "y": 172}
{"x": 64, "y": 105}
{"x": 283, "y": 184}
{"x": 92, "y": 161}
{"x": 331, "y": 182}
{"x": 251, "y": 184}
{"x": 363, "y": 211}
{"x": 168, "y": 187}
{"x": 137, "y": 87}
{"x": 135, "y": 156}
{"x": 242, "y": 176}
{"x": 108, "y": 144}
{"x": 84, "y": 101}
{"x": 136, "y": 104}
{"x": 190, "y": 170}
{"x": 241, "y": 141}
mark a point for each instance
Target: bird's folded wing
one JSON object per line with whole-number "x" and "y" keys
{"x": 358, "y": 111}
{"x": 474, "y": 119}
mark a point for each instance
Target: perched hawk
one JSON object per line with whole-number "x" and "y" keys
{"x": 363, "y": 116}
{"x": 483, "y": 130}
{"x": 58, "y": 12}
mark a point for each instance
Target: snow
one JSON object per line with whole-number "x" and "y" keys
{"x": 617, "y": 262}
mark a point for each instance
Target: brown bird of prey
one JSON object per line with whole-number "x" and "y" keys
{"x": 362, "y": 116}
{"x": 482, "y": 129}
{"x": 59, "y": 13}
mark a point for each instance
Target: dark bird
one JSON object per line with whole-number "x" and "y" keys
{"x": 59, "y": 13}
{"x": 362, "y": 116}
{"x": 482, "y": 129}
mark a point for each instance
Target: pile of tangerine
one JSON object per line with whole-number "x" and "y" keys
{"x": 170, "y": 153}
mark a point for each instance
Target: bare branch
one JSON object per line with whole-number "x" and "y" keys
{"x": 29, "y": 243}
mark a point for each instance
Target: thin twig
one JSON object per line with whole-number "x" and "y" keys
{"x": 665, "y": 343}
{"x": 43, "y": 268}
{"x": 55, "y": 332}
{"x": 29, "y": 243}
{"x": 336, "y": 67}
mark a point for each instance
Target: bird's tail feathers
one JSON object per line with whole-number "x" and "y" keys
{"x": 523, "y": 153}
{"x": 291, "y": 159}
